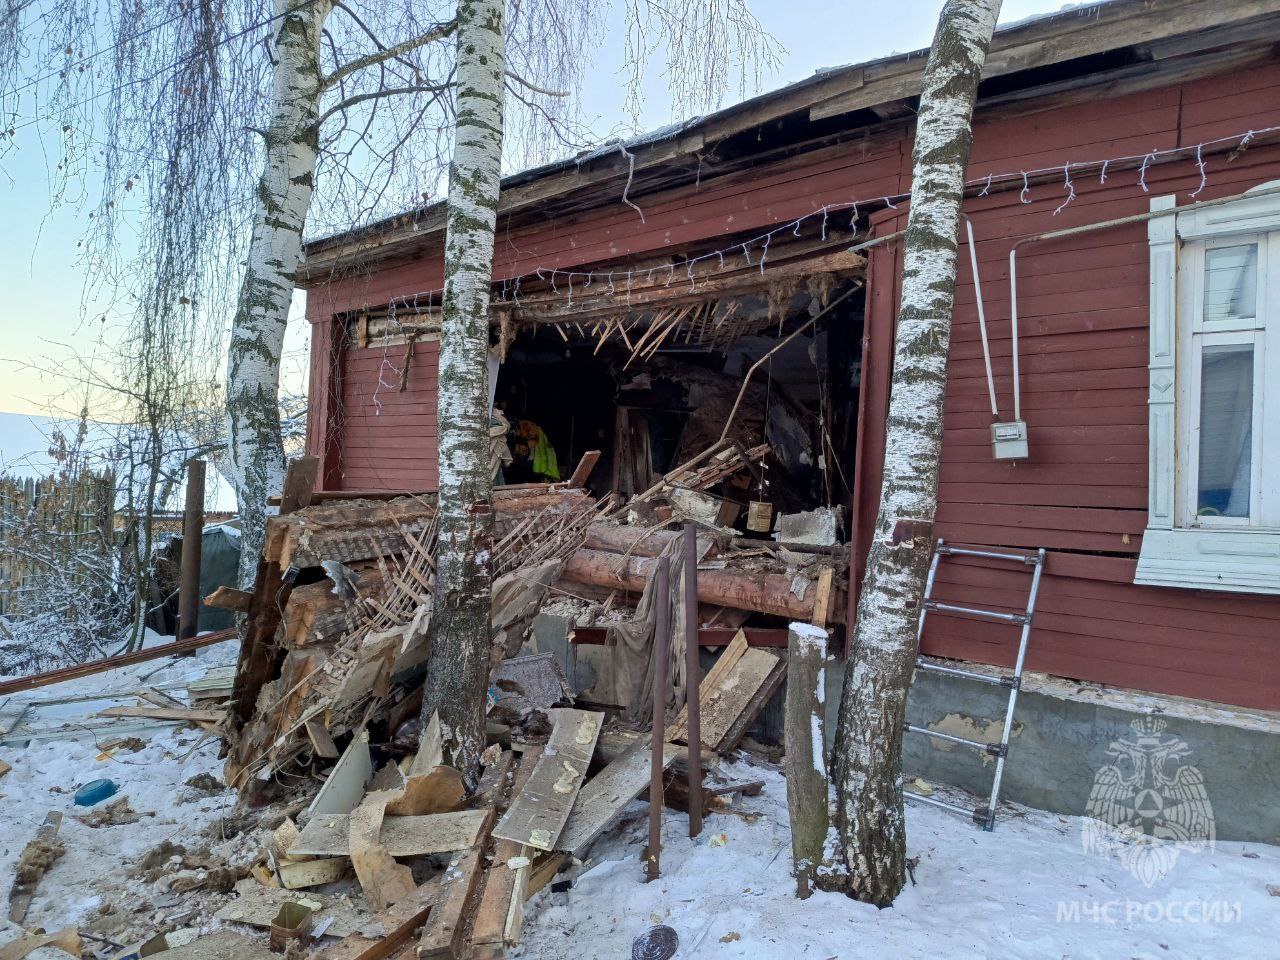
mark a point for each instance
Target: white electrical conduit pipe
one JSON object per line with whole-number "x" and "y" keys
{"x": 1054, "y": 235}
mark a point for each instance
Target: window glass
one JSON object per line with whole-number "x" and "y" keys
{"x": 1226, "y": 431}
{"x": 1230, "y": 282}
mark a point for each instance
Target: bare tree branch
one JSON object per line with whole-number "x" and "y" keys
{"x": 389, "y": 53}
{"x": 375, "y": 94}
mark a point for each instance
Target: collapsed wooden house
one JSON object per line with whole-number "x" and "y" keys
{"x": 700, "y": 324}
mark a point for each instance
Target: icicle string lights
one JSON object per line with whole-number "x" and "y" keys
{"x": 985, "y": 182}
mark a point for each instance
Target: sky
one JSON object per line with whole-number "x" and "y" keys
{"x": 48, "y": 325}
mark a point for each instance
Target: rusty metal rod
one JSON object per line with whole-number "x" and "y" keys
{"x": 111, "y": 663}
{"x": 662, "y": 635}
{"x": 692, "y": 677}
{"x": 189, "y": 576}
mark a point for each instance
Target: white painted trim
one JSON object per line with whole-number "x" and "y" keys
{"x": 1176, "y": 553}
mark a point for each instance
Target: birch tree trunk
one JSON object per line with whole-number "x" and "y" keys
{"x": 458, "y": 673}
{"x": 870, "y": 860}
{"x": 255, "y": 448}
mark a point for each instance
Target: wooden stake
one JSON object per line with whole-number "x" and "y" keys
{"x": 693, "y": 677}
{"x": 192, "y": 526}
{"x": 806, "y": 768}
{"x": 662, "y": 596}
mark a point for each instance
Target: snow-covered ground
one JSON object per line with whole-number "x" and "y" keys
{"x": 62, "y": 736}
{"x": 1026, "y": 890}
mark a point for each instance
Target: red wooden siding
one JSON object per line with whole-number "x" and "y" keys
{"x": 1083, "y": 322}
{"x": 1083, "y": 318}
{"x": 389, "y": 437}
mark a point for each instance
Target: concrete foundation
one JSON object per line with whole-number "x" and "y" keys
{"x": 1064, "y": 733}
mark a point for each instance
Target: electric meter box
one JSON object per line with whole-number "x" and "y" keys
{"x": 1009, "y": 440}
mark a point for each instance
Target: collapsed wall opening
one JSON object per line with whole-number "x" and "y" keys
{"x": 778, "y": 367}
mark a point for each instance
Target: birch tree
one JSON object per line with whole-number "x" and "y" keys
{"x": 458, "y": 674}
{"x": 869, "y": 861}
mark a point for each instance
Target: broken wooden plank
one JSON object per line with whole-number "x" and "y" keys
{"x": 191, "y": 714}
{"x": 729, "y": 696}
{"x": 746, "y": 708}
{"x": 727, "y": 660}
{"x": 36, "y": 858}
{"x": 321, "y": 742}
{"x": 387, "y": 931}
{"x": 229, "y": 598}
{"x": 537, "y": 816}
{"x": 12, "y": 933}
{"x": 343, "y": 789}
{"x": 326, "y": 835}
{"x": 297, "y": 875}
{"x": 544, "y": 871}
{"x": 583, "y": 470}
{"x": 445, "y": 929}
{"x": 383, "y": 880}
{"x": 605, "y": 795}
{"x": 257, "y": 906}
{"x": 500, "y": 913}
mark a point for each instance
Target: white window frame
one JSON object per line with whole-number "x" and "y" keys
{"x": 1179, "y": 548}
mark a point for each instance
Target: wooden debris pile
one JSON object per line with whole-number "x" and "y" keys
{"x": 329, "y": 687}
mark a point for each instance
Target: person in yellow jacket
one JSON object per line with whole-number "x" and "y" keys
{"x": 532, "y": 445}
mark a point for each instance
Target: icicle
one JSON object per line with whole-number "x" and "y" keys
{"x": 611, "y": 283}
{"x": 1069, "y": 186}
{"x": 671, "y": 274}
{"x": 1102, "y": 177}
{"x": 1142, "y": 174}
{"x": 796, "y": 232}
{"x": 631, "y": 172}
{"x": 689, "y": 268}
{"x": 746, "y": 253}
{"x": 628, "y": 288}
{"x": 1026, "y": 188}
{"x": 570, "y": 304}
{"x": 986, "y": 189}
{"x": 764, "y": 251}
{"x": 824, "y": 223}
{"x": 720, "y": 254}
{"x": 1204, "y": 176}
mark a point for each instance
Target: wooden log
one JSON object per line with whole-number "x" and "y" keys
{"x": 764, "y": 593}
{"x": 804, "y": 726}
{"x": 315, "y": 614}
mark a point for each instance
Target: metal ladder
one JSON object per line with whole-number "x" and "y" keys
{"x": 984, "y": 816}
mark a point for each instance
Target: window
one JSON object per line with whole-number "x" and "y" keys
{"x": 1214, "y": 510}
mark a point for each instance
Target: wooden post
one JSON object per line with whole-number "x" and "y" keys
{"x": 803, "y": 736}
{"x": 693, "y": 677}
{"x": 192, "y": 527}
{"x": 662, "y": 605}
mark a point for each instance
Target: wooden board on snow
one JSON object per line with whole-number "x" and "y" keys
{"x": 606, "y": 794}
{"x": 537, "y": 816}
{"x": 327, "y": 835}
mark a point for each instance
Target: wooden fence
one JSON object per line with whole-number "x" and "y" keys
{"x": 58, "y": 528}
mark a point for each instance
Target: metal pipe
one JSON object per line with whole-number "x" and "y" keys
{"x": 662, "y": 633}
{"x": 782, "y": 343}
{"x": 189, "y": 577}
{"x": 692, "y": 677}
